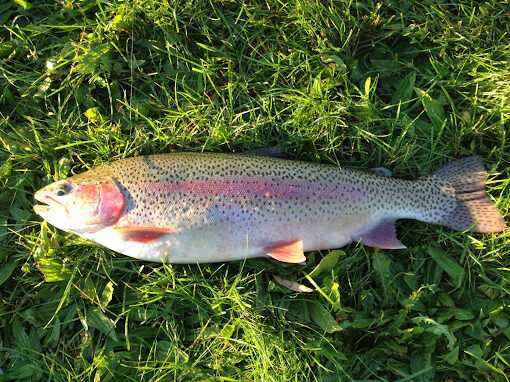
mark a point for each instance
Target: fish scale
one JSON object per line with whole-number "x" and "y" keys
{"x": 208, "y": 207}
{"x": 135, "y": 175}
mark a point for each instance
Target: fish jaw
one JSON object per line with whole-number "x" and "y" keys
{"x": 51, "y": 210}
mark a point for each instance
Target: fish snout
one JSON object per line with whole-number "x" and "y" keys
{"x": 48, "y": 204}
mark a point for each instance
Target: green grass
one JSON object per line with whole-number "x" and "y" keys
{"x": 404, "y": 84}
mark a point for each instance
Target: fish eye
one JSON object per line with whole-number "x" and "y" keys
{"x": 63, "y": 189}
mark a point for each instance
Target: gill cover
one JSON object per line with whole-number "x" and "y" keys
{"x": 97, "y": 203}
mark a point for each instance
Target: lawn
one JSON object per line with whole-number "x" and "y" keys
{"x": 408, "y": 85}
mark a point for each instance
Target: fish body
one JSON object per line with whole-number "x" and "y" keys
{"x": 208, "y": 207}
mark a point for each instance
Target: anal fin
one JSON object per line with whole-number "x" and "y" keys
{"x": 287, "y": 251}
{"x": 383, "y": 235}
{"x": 143, "y": 235}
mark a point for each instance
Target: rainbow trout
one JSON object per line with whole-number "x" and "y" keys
{"x": 207, "y": 207}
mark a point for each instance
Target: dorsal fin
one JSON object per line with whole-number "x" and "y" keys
{"x": 383, "y": 171}
{"x": 273, "y": 151}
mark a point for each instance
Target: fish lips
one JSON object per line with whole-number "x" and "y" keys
{"x": 50, "y": 205}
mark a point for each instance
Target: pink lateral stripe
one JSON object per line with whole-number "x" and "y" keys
{"x": 261, "y": 187}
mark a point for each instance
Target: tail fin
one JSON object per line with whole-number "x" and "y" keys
{"x": 473, "y": 209}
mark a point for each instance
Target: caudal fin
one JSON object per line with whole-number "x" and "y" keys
{"x": 473, "y": 210}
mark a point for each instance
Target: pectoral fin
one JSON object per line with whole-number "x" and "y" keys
{"x": 143, "y": 235}
{"x": 382, "y": 236}
{"x": 287, "y": 251}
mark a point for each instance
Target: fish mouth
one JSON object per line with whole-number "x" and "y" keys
{"x": 42, "y": 208}
{"x": 48, "y": 204}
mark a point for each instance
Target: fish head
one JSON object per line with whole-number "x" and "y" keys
{"x": 81, "y": 204}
